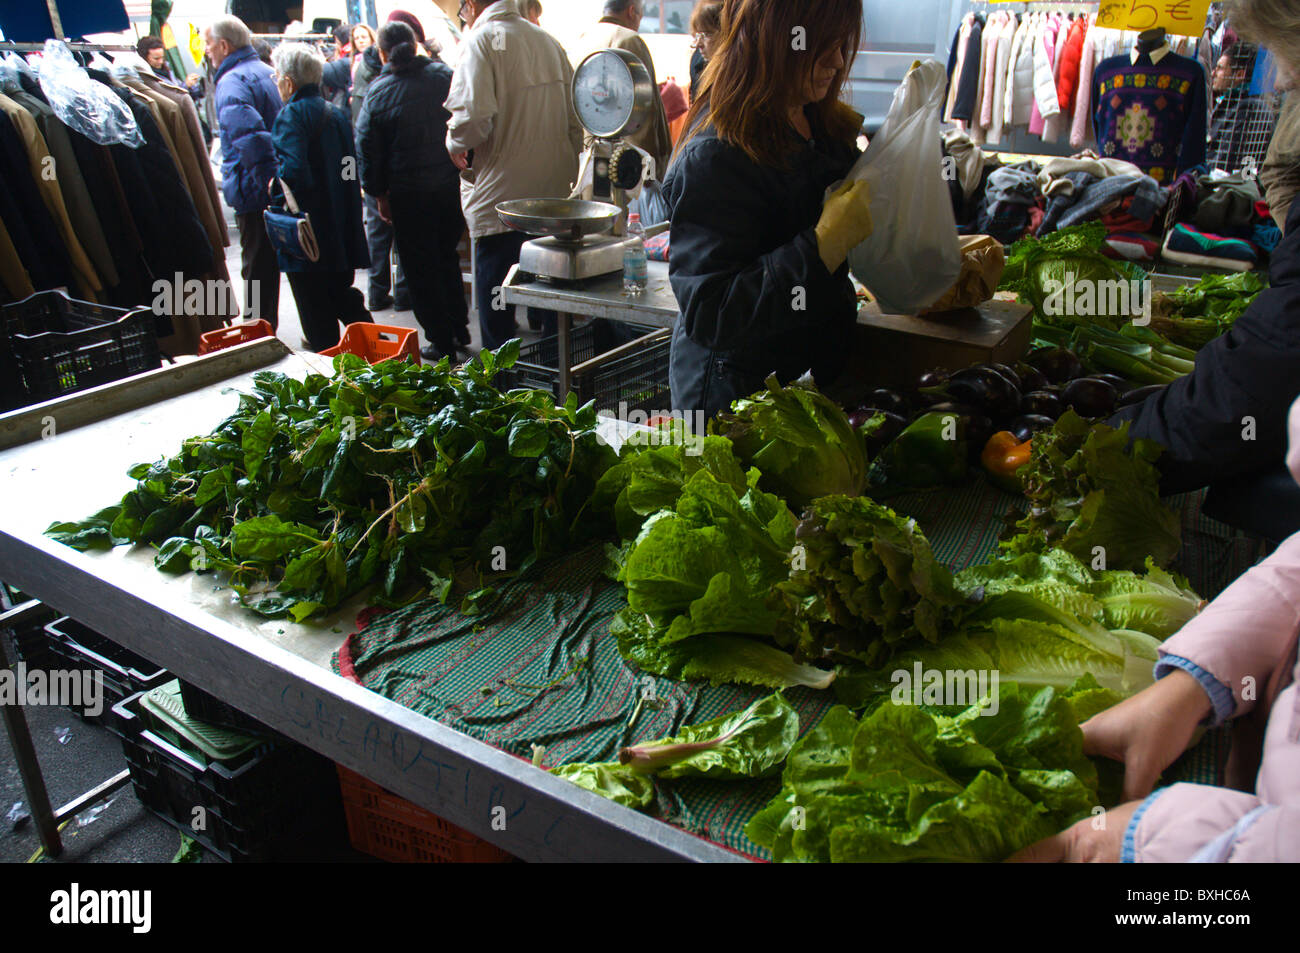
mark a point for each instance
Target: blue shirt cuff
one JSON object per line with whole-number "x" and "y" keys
{"x": 1220, "y": 695}
{"x": 1128, "y": 854}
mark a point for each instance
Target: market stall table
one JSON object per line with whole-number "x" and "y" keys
{"x": 66, "y": 458}
{"x": 601, "y": 297}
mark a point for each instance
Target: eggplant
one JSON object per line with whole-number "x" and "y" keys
{"x": 986, "y": 389}
{"x": 1058, "y": 364}
{"x": 932, "y": 378}
{"x": 1043, "y": 404}
{"x": 1114, "y": 380}
{"x": 1090, "y": 397}
{"x": 860, "y": 415}
{"x": 1138, "y": 394}
{"x": 884, "y": 399}
{"x": 1026, "y": 425}
{"x": 1009, "y": 373}
{"x": 884, "y": 435}
{"x": 1031, "y": 378}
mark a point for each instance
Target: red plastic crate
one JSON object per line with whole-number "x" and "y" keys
{"x": 391, "y": 828}
{"x": 377, "y": 342}
{"x": 223, "y": 338}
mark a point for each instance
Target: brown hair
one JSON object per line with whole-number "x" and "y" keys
{"x": 765, "y": 50}
{"x": 706, "y": 18}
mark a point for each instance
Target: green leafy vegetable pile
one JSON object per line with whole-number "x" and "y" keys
{"x": 1092, "y": 495}
{"x": 403, "y": 476}
{"x": 800, "y": 440}
{"x": 751, "y": 743}
{"x": 1196, "y": 315}
{"x": 700, "y": 579}
{"x": 1069, "y": 256}
{"x": 917, "y": 784}
{"x": 1043, "y": 619}
{"x": 863, "y": 581}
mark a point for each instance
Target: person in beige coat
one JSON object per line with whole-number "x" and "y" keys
{"x": 513, "y": 133}
{"x": 617, "y": 30}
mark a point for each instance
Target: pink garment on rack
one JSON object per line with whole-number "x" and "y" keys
{"x": 989, "y": 69}
{"x": 1052, "y": 124}
{"x": 1081, "y": 126}
{"x": 1035, "y": 116}
{"x": 1005, "y": 36}
{"x": 976, "y": 130}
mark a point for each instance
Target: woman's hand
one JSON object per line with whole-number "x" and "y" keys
{"x": 1093, "y": 840}
{"x": 845, "y": 222}
{"x": 1148, "y": 731}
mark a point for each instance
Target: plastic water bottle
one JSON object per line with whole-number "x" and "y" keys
{"x": 635, "y": 270}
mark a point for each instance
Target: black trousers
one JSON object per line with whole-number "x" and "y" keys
{"x": 324, "y": 299}
{"x": 493, "y": 256}
{"x": 426, "y": 229}
{"x": 385, "y": 274}
{"x": 260, "y": 270}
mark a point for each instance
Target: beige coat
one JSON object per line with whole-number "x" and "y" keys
{"x": 654, "y": 137}
{"x": 511, "y": 101}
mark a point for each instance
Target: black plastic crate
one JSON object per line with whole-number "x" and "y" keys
{"x": 203, "y": 706}
{"x": 278, "y": 802}
{"x": 55, "y": 345}
{"x": 30, "y": 640}
{"x": 538, "y": 366}
{"x": 76, "y": 647}
{"x": 636, "y": 379}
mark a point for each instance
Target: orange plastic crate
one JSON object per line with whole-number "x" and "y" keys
{"x": 377, "y": 342}
{"x": 391, "y": 828}
{"x": 223, "y": 338}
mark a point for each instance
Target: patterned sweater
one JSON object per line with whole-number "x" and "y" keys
{"x": 1152, "y": 115}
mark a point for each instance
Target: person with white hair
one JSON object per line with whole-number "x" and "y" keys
{"x": 316, "y": 162}
{"x": 247, "y": 103}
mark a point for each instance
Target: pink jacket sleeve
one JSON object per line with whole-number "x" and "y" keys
{"x": 1216, "y": 825}
{"x": 1081, "y": 127}
{"x": 1240, "y": 637}
{"x": 989, "y": 69}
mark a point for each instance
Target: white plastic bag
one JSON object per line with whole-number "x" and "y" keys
{"x": 83, "y": 104}
{"x": 912, "y": 256}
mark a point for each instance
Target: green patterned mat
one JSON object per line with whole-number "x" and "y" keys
{"x": 542, "y": 668}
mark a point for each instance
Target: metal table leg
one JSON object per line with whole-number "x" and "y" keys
{"x": 563, "y": 325}
{"x": 20, "y": 737}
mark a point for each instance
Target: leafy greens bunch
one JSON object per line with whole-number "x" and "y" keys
{"x": 864, "y": 580}
{"x": 1088, "y": 488}
{"x": 403, "y": 476}
{"x": 1195, "y": 315}
{"x": 1037, "y": 267}
{"x": 908, "y": 783}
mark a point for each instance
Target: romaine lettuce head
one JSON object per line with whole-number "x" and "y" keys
{"x": 799, "y": 439}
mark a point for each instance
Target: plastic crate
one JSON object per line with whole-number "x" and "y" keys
{"x": 278, "y": 802}
{"x": 391, "y": 828}
{"x": 377, "y": 342}
{"x": 76, "y": 647}
{"x": 538, "y": 365}
{"x": 631, "y": 378}
{"x": 55, "y": 345}
{"x": 223, "y": 338}
{"x": 30, "y": 640}
{"x": 207, "y": 707}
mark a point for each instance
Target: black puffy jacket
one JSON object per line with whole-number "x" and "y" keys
{"x": 402, "y": 130}
{"x": 1227, "y": 418}
{"x": 754, "y": 295}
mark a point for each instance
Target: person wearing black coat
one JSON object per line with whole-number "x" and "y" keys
{"x": 316, "y": 159}
{"x": 401, "y": 141}
{"x": 1227, "y": 419}
{"x": 758, "y": 263}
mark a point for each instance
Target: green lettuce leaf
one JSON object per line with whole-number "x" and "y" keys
{"x": 752, "y": 743}
{"x": 611, "y": 780}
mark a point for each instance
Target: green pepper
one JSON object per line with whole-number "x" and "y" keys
{"x": 932, "y": 451}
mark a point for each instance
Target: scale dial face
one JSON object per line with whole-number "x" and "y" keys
{"x": 605, "y": 94}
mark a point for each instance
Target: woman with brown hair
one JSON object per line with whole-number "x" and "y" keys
{"x": 758, "y": 262}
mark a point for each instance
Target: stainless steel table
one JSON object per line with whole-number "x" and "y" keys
{"x": 67, "y": 458}
{"x": 601, "y": 297}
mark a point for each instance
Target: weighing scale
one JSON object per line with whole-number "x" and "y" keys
{"x": 583, "y": 235}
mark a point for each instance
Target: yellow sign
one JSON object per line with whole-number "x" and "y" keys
{"x": 1179, "y": 17}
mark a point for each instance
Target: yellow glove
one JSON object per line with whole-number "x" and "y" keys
{"x": 845, "y": 222}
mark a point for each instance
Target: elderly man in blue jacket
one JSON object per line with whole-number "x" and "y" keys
{"x": 247, "y": 102}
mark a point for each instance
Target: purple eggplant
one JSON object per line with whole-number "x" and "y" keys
{"x": 1042, "y": 403}
{"x": 1090, "y": 397}
{"x": 1138, "y": 394}
{"x": 1058, "y": 364}
{"x": 1026, "y": 425}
